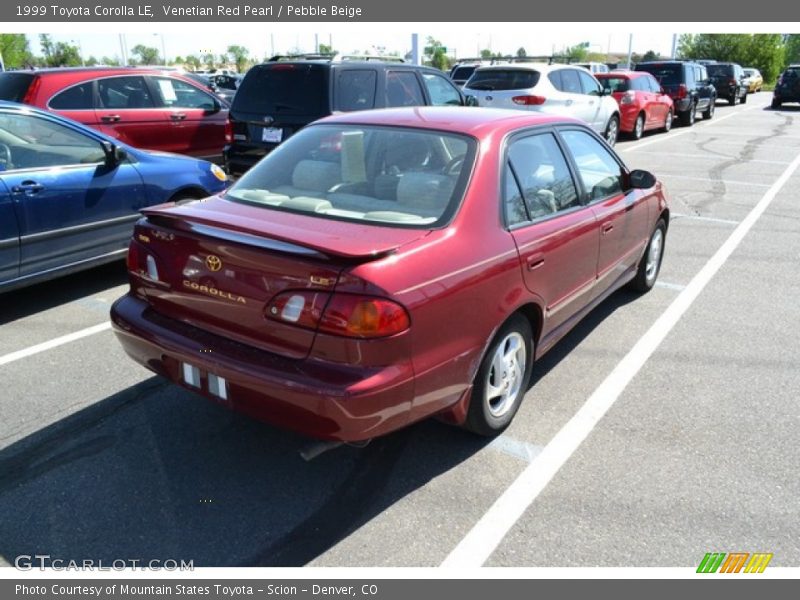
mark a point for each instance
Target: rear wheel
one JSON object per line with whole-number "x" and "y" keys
{"x": 668, "y": 121}
{"x": 502, "y": 378}
{"x": 612, "y": 130}
{"x": 744, "y": 98}
{"x": 687, "y": 117}
{"x": 638, "y": 127}
{"x": 733, "y": 98}
{"x": 775, "y": 103}
{"x": 650, "y": 264}
{"x": 708, "y": 113}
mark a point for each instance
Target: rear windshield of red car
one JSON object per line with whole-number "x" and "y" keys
{"x": 14, "y": 86}
{"x": 283, "y": 89}
{"x": 494, "y": 80}
{"x": 377, "y": 175}
{"x": 664, "y": 74}
{"x": 615, "y": 84}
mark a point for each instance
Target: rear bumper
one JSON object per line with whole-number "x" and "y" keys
{"x": 315, "y": 398}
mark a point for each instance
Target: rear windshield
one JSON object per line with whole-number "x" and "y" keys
{"x": 463, "y": 73}
{"x": 398, "y": 177}
{"x": 283, "y": 89}
{"x": 503, "y": 79}
{"x": 13, "y": 86}
{"x": 664, "y": 74}
{"x": 719, "y": 70}
{"x": 615, "y": 84}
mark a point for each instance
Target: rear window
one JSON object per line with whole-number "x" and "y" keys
{"x": 719, "y": 70}
{"x": 390, "y": 176}
{"x": 664, "y": 74}
{"x": 13, "y": 86}
{"x": 615, "y": 84}
{"x": 283, "y": 89}
{"x": 463, "y": 73}
{"x": 503, "y": 79}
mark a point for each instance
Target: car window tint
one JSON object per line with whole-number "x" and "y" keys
{"x": 570, "y": 81}
{"x": 355, "y": 89}
{"x": 441, "y": 90}
{"x": 653, "y": 84}
{"x": 463, "y": 73}
{"x": 175, "y": 93}
{"x": 32, "y": 142}
{"x": 14, "y": 86}
{"x": 555, "y": 79}
{"x": 124, "y": 92}
{"x": 543, "y": 175}
{"x": 78, "y": 97}
{"x": 600, "y": 172}
{"x": 513, "y": 204}
{"x": 589, "y": 84}
{"x": 665, "y": 74}
{"x": 615, "y": 84}
{"x": 402, "y": 89}
{"x": 279, "y": 89}
{"x": 503, "y": 79}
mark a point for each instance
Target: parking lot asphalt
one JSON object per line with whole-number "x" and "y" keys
{"x": 698, "y": 453}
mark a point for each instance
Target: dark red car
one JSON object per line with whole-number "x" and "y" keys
{"x": 643, "y": 104}
{"x": 386, "y": 266}
{"x": 146, "y": 108}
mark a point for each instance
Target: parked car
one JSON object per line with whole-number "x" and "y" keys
{"x": 594, "y": 67}
{"x": 553, "y": 89}
{"x": 753, "y": 79}
{"x": 69, "y": 195}
{"x": 226, "y": 86}
{"x": 643, "y": 103}
{"x": 387, "y": 266}
{"x": 278, "y": 98}
{"x": 787, "y": 89}
{"x": 151, "y": 109}
{"x": 687, "y": 84}
{"x": 461, "y": 72}
{"x": 729, "y": 81}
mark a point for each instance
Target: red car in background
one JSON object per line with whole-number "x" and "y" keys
{"x": 386, "y": 266}
{"x": 643, "y": 104}
{"x": 150, "y": 109}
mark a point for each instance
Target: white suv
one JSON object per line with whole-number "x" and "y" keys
{"x": 555, "y": 89}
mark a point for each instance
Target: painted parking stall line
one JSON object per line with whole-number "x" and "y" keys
{"x": 489, "y": 531}
{"x": 54, "y": 343}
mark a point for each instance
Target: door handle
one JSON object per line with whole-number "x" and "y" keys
{"x": 110, "y": 118}
{"x": 177, "y": 116}
{"x": 28, "y": 187}
{"x": 568, "y": 103}
{"x": 607, "y": 227}
{"x": 534, "y": 261}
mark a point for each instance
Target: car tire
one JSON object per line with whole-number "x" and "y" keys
{"x": 668, "y": 121}
{"x": 744, "y": 98}
{"x": 638, "y": 127}
{"x": 708, "y": 113}
{"x": 775, "y": 103}
{"x": 687, "y": 117}
{"x": 611, "y": 132}
{"x": 650, "y": 263}
{"x": 733, "y": 97}
{"x": 502, "y": 379}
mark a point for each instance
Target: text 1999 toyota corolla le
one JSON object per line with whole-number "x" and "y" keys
{"x": 387, "y": 266}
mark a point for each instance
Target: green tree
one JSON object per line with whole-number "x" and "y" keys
{"x": 47, "y": 44}
{"x": 193, "y": 61}
{"x": 59, "y": 54}
{"x": 792, "y": 44}
{"x": 576, "y": 53}
{"x": 649, "y": 55}
{"x": 15, "y": 50}
{"x": 437, "y": 56}
{"x": 764, "y": 51}
{"x": 521, "y": 53}
{"x": 240, "y": 55}
{"x": 147, "y": 54}
{"x": 91, "y": 61}
{"x": 326, "y": 49}
{"x": 110, "y": 62}
{"x": 208, "y": 60}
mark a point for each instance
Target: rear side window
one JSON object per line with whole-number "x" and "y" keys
{"x": 616, "y": 84}
{"x": 570, "y": 82}
{"x": 124, "y": 92}
{"x": 589, "y": 84}
{"x": 283, "y": 89}
{"x": 664, "y": 74}
{"x": 355, "y": 90}
{"x": 402, "y": 89}
{"x": 503, "y": 79}
{"x": 78, "y": 97}
{"x": 14, "y": 86}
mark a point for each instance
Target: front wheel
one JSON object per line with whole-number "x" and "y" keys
{"x": 687, "y": 117}
{"x": 502, "y": 378}
{"x": 612, "y": 130}
{"x": 650, "y": 264}
{"x": 638, "y": 127}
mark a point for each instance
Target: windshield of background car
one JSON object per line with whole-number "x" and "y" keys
{"x": 664, "y": 74}
{"x": 615, "y": 84}
{"x": 382, "y": 175}
{"x": 283, "y": 89}
{"x": 13, "y": 86}
{"x": 503, "y": 79}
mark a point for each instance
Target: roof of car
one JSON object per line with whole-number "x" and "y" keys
{"x": 527, "y": 66}
{"x": 622, "y": 73}
{"x": 470, "y": 120}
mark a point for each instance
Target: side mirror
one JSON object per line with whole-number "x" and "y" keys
{"x": 470, "y": 101}
{"x": 114, "y": 154}
{"x": 642, "y": 180}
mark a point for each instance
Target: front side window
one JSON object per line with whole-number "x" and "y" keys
{"x": 355, "y": 90}
{"x": 599, "y": 171}
{"x": 589, "y": 84}
{"x": 542, "y": 175}
{"x": 78, "y": 97}
{"x": 441, "y": 91}
{"x": 570, "y": 82}
{"x": 381, "y": 175}
{"x": 402, "y": 89}
{"x": 175, "y": 93}
{"x": 124, "y": 92}
{"x": 30, "y": 142}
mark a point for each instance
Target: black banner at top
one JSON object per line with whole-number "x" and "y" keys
{"x": 49, "y": 11}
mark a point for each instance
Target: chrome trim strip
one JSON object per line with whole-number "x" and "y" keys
{"x": 44, "y": 235}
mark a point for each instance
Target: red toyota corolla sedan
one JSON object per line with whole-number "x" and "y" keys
{"x": 643, "y": 104}
{"x": 387, "y": 266}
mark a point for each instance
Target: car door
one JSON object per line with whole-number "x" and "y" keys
{"x": 9, "y": 236}
{"x": 594, "y": 92}
{"x": 441, "y": 92}
{"x": 556, "y": 236}
{"x": 69, "y": 204}
{"x": 76, "y": 102}
{"x": 403, "y": 89}
{"x": 570, "y": 99}
{"x": 126, "y": 110}
{"x": 622, "y": 214}
{"x": 656, "y": 101}
{"x": 197, "y": 119}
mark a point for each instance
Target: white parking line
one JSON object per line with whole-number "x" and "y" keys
{"x": 782, "y": 163}
{"x": 59, "y": 341}
{"x": 516, "y": 448}
{"x": 670, "y": 286}
{"x": 676, "y": 216}
{"x": 489, "y": 531}
{"x": 710, "y": 180}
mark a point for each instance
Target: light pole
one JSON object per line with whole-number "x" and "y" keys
{"x": 163, "y": 49}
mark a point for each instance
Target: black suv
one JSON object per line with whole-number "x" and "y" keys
{"x": 277, "y": 98}
{"x": 788, "y": 87}
{"x": 727, "y": 79}
{"x": 687, "y": 84}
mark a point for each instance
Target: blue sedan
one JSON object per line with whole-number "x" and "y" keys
{"x": 69, "y": 195}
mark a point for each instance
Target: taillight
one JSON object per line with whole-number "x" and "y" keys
{"x": 363, "y": 317}
{"x": 141, "y": 262}
{"x": 228, "y": 131}
{"x": 301, "y": 308}
{"x": 682, "y": 91}
{"x": 627, "y": 98}
{"x": 33, "y": 89}
{"x": 732, "y": 81}
{"x": 528, "y": 100}
{"x": 132, "y": 259}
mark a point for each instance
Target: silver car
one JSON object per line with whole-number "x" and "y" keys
{"x": 556, "y": 89}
